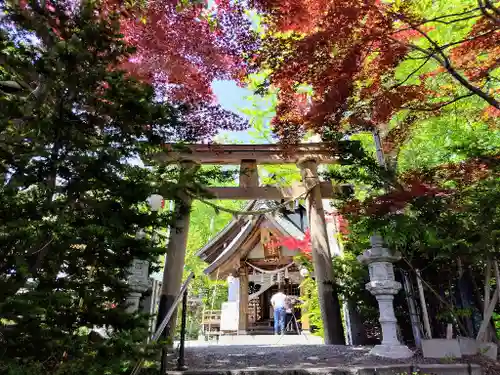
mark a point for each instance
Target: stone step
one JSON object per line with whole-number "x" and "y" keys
{"x": 402, "y": 369}
{"x": 255, "y": 340}
{"x": 270, "y": 340}
{"x": 288, "y": 358}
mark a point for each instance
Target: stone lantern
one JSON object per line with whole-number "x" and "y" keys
{"x": 138, "y": 281}
{"x": 384, "y": 287}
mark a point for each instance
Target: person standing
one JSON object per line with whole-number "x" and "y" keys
{"x": 278, "y": 301}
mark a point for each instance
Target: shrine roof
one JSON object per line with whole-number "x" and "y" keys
{"x": 229, "y": 240}
{"x": 225, "y": 235}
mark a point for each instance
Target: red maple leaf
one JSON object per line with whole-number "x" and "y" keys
{"x": 347, "y": 52}
{"x": 293, "y": 243}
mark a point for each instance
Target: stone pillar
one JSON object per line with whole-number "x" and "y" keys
{"x": 138, "y": 283}
{"x": 323, "y": 270}
{"x": 384, "y": 287}
{"x": 150, "y": 302}
{"x": 174, "y": 258}
{"x": 304, "y": 319}
{"x": 243, "y": 302}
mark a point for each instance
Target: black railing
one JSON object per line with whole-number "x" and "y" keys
{"x": 181, "y": 363}
{"x": 182, "y": 294}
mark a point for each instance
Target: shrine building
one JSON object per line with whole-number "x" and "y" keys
{"x": 248, "y": 254}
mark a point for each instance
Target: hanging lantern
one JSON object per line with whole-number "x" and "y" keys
{"x": 286, "y": 273}
{"x": 155, "y": 201}
{"x": 304, "y": 272}
{"x": 262, "y": 277}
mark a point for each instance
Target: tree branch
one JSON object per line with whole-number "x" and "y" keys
{"x": 437, "y": 54}
{"x": 445, "y": 46}
{"x": 411, "y": 74}
{"x": 441, "y": 299}
{"x": 492, "y": 7}
{"x": 484, "y": 7}
{"x": 440, "y": 105}
{"x": 440, "y": 18}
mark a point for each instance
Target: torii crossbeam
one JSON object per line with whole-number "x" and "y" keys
{"x": 262, "y": 153}
{"x": 247, "y": 157}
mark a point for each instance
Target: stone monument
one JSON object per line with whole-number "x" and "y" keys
{"x": 139, "y": 282}
{"x": 384, "y": 287}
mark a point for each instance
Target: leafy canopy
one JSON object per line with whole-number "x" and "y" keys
{"x": 76, "y": 130}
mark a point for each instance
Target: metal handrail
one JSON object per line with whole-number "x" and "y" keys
{"x": 138, "y": 367}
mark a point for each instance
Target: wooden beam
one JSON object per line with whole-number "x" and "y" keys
{"x": 262, "y": 154}
{"x": 243, "y": 302}
{"x": 268, "y": 192}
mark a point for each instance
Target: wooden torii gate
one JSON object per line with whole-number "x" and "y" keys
{"x": 306, "y": 157}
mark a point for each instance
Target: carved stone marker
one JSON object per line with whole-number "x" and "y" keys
{"x": 384, "y": 287}
{"x": 139, "y": 282}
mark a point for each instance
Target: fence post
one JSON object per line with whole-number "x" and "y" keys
{"x": 181, "y": 365}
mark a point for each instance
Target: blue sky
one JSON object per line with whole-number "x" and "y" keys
{"x": 232, "y": 97}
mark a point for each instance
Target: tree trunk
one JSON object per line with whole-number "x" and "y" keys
{"x": 491, "y": 333}
{"x": 358, "y": 332}
{"x": 464, "y": 297}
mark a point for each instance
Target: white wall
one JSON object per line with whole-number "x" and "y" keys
{"x": 233, "y": 289}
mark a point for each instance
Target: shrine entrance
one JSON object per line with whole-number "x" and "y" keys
{"x": 248, "y": 254}
{"x": 233, "y": 259}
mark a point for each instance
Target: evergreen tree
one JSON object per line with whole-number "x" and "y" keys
{"x": 71, "y": 201}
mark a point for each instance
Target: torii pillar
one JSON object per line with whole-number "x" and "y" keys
{"x": 249, "y": 178}
{"x": 322, "y": 260}
{"x": 174, "y": 261}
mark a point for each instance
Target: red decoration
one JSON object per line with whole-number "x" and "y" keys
{"x": 272, "y": 249}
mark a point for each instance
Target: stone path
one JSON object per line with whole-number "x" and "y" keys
{"x": 258, "y": 340}
{"x": 315, "y": 360}
{"x": 254, "y": 357}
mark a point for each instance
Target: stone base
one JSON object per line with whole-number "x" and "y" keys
{"x": 468, "y": 346}
{"x": 391, "y": 351}
{"x": 441, "y": 348}
{"x": 489, "y": 349}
